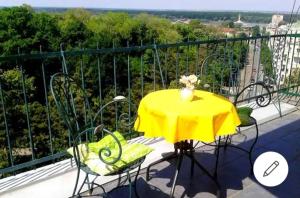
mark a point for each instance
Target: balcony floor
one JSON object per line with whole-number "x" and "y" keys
{"x": 281, "y": 135}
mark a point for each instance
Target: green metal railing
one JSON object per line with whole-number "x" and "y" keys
{"x": 31, "y": 133}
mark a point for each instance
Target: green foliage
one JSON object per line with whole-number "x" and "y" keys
{"x": 12, "y": 85}
{"x": 158, "y": 29}
{"x": 256, "y": 31}
{"x": 111, "y": 27}
{"x": 12, "y": 79}
{"x": 47, "y": 32}
{"x": 16, "y": 29}
{"x": 74, "y": 32}
{"x": 295, "y": 77}
{"x": 228, "y": 24}
{"x": 21, "y": 28}
{"x": 252, "y": 17}
{"x": 266, "y": 60}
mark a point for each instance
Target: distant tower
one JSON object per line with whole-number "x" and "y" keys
{"x": 239, "y": 20}
{"x": 276, "y": 20}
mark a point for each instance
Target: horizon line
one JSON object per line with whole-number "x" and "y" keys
{"x": 153, "y": 9}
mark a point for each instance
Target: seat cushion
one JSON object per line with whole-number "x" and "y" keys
{"x": 107, "y": 141}
{"x": 130, "y": 154}
{"x": 244, "y": 115}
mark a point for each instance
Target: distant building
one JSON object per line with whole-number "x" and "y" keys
{"x": 184, "y": 21}
{"x": 286, "y": 52}
{"x": 272, "y": 27}
{"x": 277, "y": 19}
{"x": 229, "y": 32}
{"x": 245, "y": 25}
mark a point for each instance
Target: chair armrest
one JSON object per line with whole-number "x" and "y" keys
{"x": 123, "y": 119}
{"x": 105, "y": 151}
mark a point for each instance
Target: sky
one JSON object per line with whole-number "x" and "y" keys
{"x": 245, "y": 5}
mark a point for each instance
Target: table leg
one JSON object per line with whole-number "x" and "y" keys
{"x": 217, "y": 159}
{"x": 178, "y": 166}
{"x": 226, "y": 142}
{"x": 192, "y": 150}
{"x": 185, "y": 148}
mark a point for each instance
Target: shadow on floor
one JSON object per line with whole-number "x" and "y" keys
{"x": 281, "y": 135}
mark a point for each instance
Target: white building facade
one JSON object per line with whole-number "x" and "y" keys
{"x": 286, "y": 53}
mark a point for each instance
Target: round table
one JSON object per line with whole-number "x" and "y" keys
{"x": 165, "y": 114}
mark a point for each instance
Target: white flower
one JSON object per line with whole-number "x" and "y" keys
{"x": 189, "y": 81}
{"x": 184, "y": 80}
{"x": 193, "y": 78}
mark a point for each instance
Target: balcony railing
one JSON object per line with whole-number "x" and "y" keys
{"x": 31, "y": 133}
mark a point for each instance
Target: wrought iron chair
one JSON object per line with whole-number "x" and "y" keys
{"x": 261, "y": 99}
{"x": 105, "y": 157}
{"x": 227, "y": 83}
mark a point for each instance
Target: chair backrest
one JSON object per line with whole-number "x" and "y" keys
{"x": 220, "y": 74}
{"x": 72, "y": 103}
{"x": 84, "y": 125}
{"x": 261, "y": 95}
{"x": 223, "y": 75}
{"x": 117, "y": 115}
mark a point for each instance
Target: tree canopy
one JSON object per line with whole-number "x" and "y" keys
{"x": 22, "y": 30}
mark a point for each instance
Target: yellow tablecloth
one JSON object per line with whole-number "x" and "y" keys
{"x": 164, "y": 114}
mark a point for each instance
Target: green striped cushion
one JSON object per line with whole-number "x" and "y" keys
{"x": 130, "y": 153}
{"x": 107, "y": 141}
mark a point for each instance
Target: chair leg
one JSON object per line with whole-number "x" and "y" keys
{"x": 104, "y": 194}
{"x": 119, "y": 180}
{"x": 90, "y": 185}
{"x": 76, "y": 183}
{"x": 130, "y": 184}
{"x": 84, "y": 181}
{"x": 92, "y": 188}
{"x": 135, "y": 181}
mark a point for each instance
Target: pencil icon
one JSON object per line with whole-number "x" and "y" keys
{"x": 271, "y": 168}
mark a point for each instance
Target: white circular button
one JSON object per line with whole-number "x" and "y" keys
{"x": 270, "y": 169}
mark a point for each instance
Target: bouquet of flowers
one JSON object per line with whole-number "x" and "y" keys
{"x": 189, "y": 81}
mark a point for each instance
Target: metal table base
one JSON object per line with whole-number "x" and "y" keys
{"x": 184, "y": 148}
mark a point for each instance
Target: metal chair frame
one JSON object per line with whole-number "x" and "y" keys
{"x": 262, "y": 100}
{"x": 84, "y": 127}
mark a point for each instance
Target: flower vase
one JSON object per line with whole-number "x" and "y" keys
{"x": 186, "y": 94}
